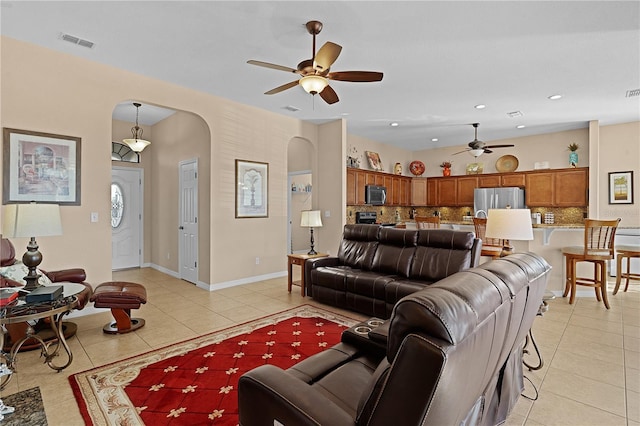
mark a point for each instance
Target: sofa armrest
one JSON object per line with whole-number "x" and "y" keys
{"x": 311, "y": 264}
{"x": 267, "y": 394}
{"x": 76, "y": 275}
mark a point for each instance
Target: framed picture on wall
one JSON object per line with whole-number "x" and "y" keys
{"x": 252, "y": 189}
{"x": 40, "y": 167}
{"x": 621, "y": 187}
{"x": 374, "y": 160}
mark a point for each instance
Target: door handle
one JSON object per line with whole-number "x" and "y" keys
{"x": 180, "y": 227}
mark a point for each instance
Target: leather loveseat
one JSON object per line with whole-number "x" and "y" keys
{"x": 376, "y": 266}
{"x": 453, "y": 356}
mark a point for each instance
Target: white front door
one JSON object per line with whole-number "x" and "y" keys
{"x": 188, "y": 228}
{"x": 126, "y": 218}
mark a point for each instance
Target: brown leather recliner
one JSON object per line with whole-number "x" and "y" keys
{"x": 75, "y": 275}
{"x": 453, "y": 356}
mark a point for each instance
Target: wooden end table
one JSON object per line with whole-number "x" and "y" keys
{"x": 300, "y": 260}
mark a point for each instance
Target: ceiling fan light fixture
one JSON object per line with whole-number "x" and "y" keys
{"x": 136, "y": 143}
{"x": 313, "y": 84}
{"x": 476, "y": 152}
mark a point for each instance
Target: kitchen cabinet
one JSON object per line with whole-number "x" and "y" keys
{"x": 465, "y": 186}
{"x": 432, "y": 192}
{"x": 557, "y": 188}
{"x": 513, "y": 179}
{"x": 447, "y": 190}
{"x": 489, "y": 181}
{"x": 398, "y": 187}
{"x": 419, "y": 192}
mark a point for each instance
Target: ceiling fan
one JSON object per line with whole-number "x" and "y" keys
{"x": 316, "y": 73}
{"x": 477, "y": 148}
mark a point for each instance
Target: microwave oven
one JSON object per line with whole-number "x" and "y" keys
{"x": 375, "y": 195}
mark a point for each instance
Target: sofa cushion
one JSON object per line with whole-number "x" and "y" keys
{"x": 19, "y": 270}
{"x": 358, "y": 245}
{"x": 367, "y": 283}
{"x": 440, "y": 253}
{"x": 395, "y": 252}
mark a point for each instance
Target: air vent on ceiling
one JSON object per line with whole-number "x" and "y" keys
{"x": 292, "y": 108}
{"x": 77, "y": 40}
{"x": 514, "y": 114}
{"x": 632, "y": 93}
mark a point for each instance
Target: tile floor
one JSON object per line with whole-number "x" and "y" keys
{"x": 591, "y": 374}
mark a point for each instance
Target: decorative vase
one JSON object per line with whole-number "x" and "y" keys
{"x": 397, "y": 169}
{"x": 446, "y": 171}
{"x": 573, "y": 159}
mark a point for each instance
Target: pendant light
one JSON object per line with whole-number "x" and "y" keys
{"x": 136, "y": 143}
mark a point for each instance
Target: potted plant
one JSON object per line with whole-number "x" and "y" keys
{"x": 573, "y": 155}
{"x": 446, "y": 168}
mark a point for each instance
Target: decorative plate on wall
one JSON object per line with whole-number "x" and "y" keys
{"x": 417, "y": 168}
{"x": 507, "y": 163}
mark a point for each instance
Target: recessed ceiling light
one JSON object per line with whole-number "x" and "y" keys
{"x": 394, "y": 124}
{"x": 480, "y": 106}
{"x": 555, "y": 97}
{"x": 520, "y": 126}
{"x": 434, "y": 139}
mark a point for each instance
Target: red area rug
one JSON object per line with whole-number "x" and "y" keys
{"x": 195, "y": 382}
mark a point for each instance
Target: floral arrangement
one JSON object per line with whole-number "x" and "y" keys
{"x": 353, "y": 159}
{"x": 446, "y": 165}
{"x": 573, "y": 147}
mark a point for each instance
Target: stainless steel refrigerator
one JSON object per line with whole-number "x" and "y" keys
{"x": 497, "y": 198}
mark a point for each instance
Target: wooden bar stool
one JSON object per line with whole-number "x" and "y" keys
{"x": 427, "y": 222}
{"x": 625, "y": 252}
{"x": 599, "y": 236}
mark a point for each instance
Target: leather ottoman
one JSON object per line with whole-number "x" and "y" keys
{"x": 120, "y": 297}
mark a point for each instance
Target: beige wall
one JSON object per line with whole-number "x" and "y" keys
{"x": 389, "y": 155}
{"x": 47, "y": 91}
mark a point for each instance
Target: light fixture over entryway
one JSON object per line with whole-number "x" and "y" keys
{"x": 136, "y": 143}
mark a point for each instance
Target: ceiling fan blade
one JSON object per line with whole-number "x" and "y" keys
{"x": 326, "y": 56}
{"x": 499, "y": 146}
{"x": 487, "y": 151}
{"x": 460, "y": 152}
{"x": 282, "y": 88}
{"x": 329, "y": 95}
{"x": 272, "y": 66}
{"x": 355, "y": 76}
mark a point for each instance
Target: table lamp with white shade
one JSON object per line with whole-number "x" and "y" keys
{"x": 311, "y": 219}
{"x": 31, "y": 220}
{"x": 509, "y": 224}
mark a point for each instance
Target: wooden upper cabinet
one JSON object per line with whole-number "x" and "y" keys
{"x": 465, "y": 187}
{"x": 489, "y": 181}
{"x": 419, "y": 192}
{"x": 447, "y": 191}
{"x": 432, "y": 192}
{"x": 570, "y": 188}
{"x": 513, "y": 179}
{"x": 539, "y": 189}
{"x": 557, "y": 188}
{"x": 351, "y": 187}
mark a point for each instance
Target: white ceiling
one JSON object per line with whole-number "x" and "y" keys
{"x": 439, "y": 59}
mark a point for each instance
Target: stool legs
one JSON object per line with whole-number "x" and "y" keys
{"x": 124, "y": 323}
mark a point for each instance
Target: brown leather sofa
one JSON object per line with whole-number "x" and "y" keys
{"x": 453, "y": 355}
{"x": 376, "y": 266}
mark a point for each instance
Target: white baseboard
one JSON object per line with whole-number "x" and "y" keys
{"x": 247, "y": 280}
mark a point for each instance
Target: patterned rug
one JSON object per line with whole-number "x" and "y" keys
{"x": 195, "y": 382}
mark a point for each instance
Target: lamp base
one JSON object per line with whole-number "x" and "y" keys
{"x": 312, "y": 252}
{"x": 31, "y": 259}
{"x": 506, "y": 251}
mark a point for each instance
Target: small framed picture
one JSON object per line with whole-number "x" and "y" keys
{"x": 252, "y": 186}
{"x": 40, "y": 167}
{"x": 374, "y": 160}
{"x": 475, "y": 168}
{"x": 621, "y": 187}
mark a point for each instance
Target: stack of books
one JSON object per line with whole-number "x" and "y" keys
{"x": 7, "y": 295}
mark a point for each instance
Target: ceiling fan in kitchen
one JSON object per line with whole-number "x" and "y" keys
{"x": 316, "y": 72}
{"x": 477, "y": 148}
